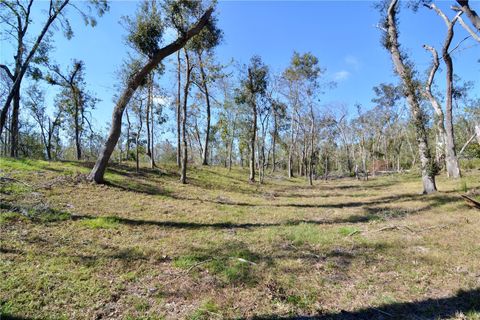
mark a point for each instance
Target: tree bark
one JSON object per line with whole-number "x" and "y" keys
{"x": 207, "y": 100}
{"x": 406, "y": 75}
{"x": 439, "y": 116}
{"x": 186, "y": 90}
{"x": 14, "y": 127}
{"x": 274, "y": 140}
{"x": 179, "y": 82}
{"x": 98, "y": 171}
{"x": 312, "y": 147}
{"x": 471, "y": 14}
{"x": 453, "y": 168}
{"x": 253, "y": 134}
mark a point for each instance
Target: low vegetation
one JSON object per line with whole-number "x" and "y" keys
{"x": 146, "y": 247}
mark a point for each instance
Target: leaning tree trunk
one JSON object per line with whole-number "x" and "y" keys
{"x": 98, "y": 171}
{"x": 406, "y": 75}
{"x": 186, "y": 90}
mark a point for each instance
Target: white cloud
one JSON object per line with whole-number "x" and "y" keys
{"x": 341, "y": 75}
{"x": 353, "y": 62}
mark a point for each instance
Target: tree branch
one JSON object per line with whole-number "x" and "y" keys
{"x": 7, "y": 70}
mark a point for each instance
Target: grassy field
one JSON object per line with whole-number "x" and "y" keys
{"x": 146, "y": 247}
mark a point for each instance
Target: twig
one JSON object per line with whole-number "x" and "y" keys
{"x": 196, "y": 265}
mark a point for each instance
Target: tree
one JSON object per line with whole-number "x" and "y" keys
{"x": 445, "y": 131}
{"x": 303, "y": 88}
{"x": 253, "y": 86}
{"x": 150, "y": 43}
{"x": 186, "y": 92}
{"x": 16, "y": 15}
{"x": 73, "y": 99}
{"x": 203, "y": 44}
{"x": 279, "y": 110}
{"x": 404, "y": 69}
{"x": 49, "y": 127}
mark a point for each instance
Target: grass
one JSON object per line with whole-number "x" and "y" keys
{"x": 146, "y": 247}
{"x": 101, "y": 223}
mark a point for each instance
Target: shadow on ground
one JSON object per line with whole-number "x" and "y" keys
{"x": 463, "y": 302}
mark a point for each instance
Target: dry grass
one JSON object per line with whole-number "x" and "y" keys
{"x": 145, "y": 246}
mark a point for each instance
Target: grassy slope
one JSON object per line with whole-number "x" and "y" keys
{"x": 146, "y": 246}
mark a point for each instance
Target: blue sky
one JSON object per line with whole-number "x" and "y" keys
{"x": 342, "y": 34}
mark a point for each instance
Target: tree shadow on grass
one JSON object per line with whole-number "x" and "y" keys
{"x": 7, "y": 316}
{"x": 136, "y": 186}
{"x": 463, "y": 302}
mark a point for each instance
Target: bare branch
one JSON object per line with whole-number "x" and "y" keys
{"x": 469, "y": 30}
{"x": 7, "y": 70}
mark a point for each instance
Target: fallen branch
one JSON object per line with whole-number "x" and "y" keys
{"x": 5, "y": 179}
{"x": 471, "y": 202}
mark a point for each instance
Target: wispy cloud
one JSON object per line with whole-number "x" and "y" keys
{"x": 353, "y": 62}
{"x": 341, "y": 75}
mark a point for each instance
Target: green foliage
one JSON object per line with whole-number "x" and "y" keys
{"x": 145, "y": 31}
{"x": 254, "y": 83}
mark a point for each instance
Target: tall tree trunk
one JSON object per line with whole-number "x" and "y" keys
{"x": 230, "y": 144}
{"x": 98, "y": 170}
{"x": 186, "y": 90}
{"x": 253, "y": 137}
{"x": 312, "y": 147}
{"x": 406, "y": 75}
{"x": 179, "y": 110}
{"x": 451, "y": 160}
{"x": 152, "y": 148}
{"x": 149, "y": 120}
{"x": 207, "y": 100}
{"x": 147, "y": 114}
{"x": 290, "y": 149}
{"x": 274, "y": 141}
{"x": 78, "y": 145}
{"x": 441, "y": 134}
{"x": 14, "y": 127}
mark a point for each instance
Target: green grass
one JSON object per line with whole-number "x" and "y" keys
{"x": 101, "y": 223}
{"x": 219, "y": 247}
{"x": 206, "y": 311}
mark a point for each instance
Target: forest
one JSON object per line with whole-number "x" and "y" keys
{"x": 187, "y": 159}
